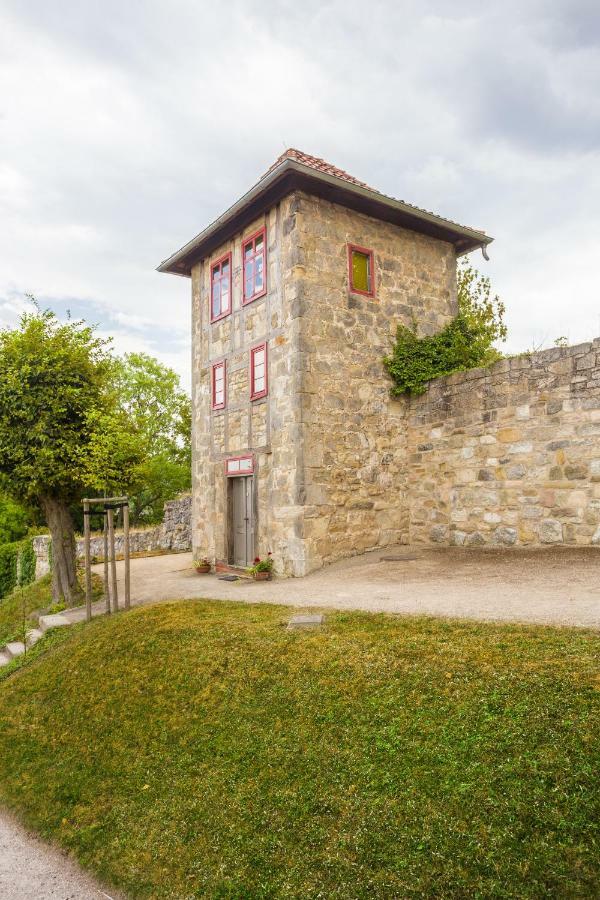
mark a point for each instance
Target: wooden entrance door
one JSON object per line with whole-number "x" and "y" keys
{"x": 242, "y": 524}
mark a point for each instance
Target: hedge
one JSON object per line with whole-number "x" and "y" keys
{"x": 17, "y": 565}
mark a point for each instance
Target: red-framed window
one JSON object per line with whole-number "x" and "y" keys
{"x": 219, "y": 385}
{"x": 361, "y": 270}
{"x": 254, "y": 263}
{"x": 259, "y": 377}
{"x": 220, "y": 288}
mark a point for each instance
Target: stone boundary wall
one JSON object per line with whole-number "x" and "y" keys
{"x": 172, "y": 535}
{"x": 509, "y": 455}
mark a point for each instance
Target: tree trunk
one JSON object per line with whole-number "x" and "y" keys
{"x": 64, "y": 564}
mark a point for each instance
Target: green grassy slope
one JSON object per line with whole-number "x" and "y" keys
{"x": 197, "y": 749}
{"x": 16, "y": 608}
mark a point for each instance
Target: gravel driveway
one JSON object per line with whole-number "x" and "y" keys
{"x": 32, "y": 870}
{"x": 556, "y": 586}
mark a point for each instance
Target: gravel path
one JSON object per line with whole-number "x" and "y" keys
{"x": 33, "y": 870}
{"x": 546, "y": 586}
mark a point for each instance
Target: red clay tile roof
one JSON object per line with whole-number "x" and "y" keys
{"x": 408, "y": 215}
{"x": 315, "y": 163}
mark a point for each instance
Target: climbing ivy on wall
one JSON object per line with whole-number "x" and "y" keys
{"x": 26, "y": 563}
{"x": 8, "y": 567}
{"x": 465, "y": 343}
{"x": 17, "y": 565}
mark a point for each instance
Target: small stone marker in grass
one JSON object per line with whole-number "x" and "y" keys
{"x": 305, "y": 622}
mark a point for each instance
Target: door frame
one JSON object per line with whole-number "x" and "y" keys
{"x": 229, "y": 523}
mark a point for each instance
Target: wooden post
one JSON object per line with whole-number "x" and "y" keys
{"x": 113, "y": 561}
{"x": 126, "y": 555}
{"x": 88, "y": 561}
{"x": 106, "y": 584}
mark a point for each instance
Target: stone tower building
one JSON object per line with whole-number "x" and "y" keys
{"x": 297, "y": 290}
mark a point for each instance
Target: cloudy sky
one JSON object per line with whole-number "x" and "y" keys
{"x": 126, "y": 127}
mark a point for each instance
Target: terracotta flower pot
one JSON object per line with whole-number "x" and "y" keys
{"x": 203, "y": 570}
{"x": 262, "y": 576}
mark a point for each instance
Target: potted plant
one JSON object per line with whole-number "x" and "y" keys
{"x": 202, "y": 566}
{"x": 262, "y": 568}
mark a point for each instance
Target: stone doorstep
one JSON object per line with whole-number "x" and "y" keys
{"x": 53, "y": 621}
{"x": 226, "y": 569}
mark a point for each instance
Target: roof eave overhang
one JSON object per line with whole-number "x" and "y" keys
{"x": 292, "y": 175}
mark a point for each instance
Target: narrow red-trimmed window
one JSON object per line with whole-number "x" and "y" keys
{"x": 259, "y": 384}
{"x": 254, "y": 259}
{"x": 219, "y": 387}
{"x": 220, "y": 288}
{"x": 361, "y": 270}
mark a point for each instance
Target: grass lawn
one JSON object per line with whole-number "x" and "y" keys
{"x": 16, "y": 608}
{"x": 197, "y": 749}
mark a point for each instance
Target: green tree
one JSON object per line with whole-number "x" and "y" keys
{"x": 15, "y": 520}
{"x": 56, "y": 398}
{"x": 150, "y": 396}
{"x": 465, "y": 343}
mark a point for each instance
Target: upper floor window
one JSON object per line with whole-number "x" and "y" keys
{"x": 218, "y": 386}
{"x": 220, "y": 288}
{"x": 361, "y": 270}
{"x": 259, "y": 386}
{"x": 254, "y": 255}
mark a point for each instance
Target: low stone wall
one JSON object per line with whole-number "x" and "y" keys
{"x": 509, "y": 455}
{"x": 172, "y": 535}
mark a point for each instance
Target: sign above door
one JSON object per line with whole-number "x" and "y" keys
{"x": 239, "y": 465}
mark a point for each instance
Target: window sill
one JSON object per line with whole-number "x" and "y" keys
{"x": 252, "y": 299}
{"x": 220, "y": 318}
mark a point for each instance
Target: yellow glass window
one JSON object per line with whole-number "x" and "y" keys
{"x": 361, "y": 271}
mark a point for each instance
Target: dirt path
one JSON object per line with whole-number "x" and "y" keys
{"x": 32, "y": 870}
{"x": 557, "y": 586}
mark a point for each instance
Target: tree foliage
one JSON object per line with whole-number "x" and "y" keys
{"x": 56, "y": 389}
{"x": 467, "y": 342}
{"x": 52, "y": 382}
{"x": 150, "y": 398}
{"x": 15, "y": 520}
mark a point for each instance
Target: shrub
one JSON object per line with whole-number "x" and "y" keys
{"x": 17, "y": 565}
{"x": 8, "y": 568}
{"x": 465, "y": 343}
{"x": 26, "y": 563}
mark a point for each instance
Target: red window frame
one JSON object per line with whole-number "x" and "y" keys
{"x": 213, "y": 378}
{"x": 254, "y": 394}
{"x": 354, "y": 248}
{"x": 252, "y": 240}
{"x": 218, "y": 263}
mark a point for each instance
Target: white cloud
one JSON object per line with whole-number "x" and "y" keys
{"x": 125, "y": 128}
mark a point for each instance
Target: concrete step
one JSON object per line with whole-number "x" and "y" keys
{"x": 33, "y": 636}
{"x": 4, "y": 658}
{"x": 53, "y": 621}
{"x": 15, "y": 648}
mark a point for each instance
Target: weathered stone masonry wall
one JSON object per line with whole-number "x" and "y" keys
{"x": 354, "y": 436}
{"x": 173, "y": 535}
{"x": 267, "y": 428}
{"x": 509, "y": 455}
